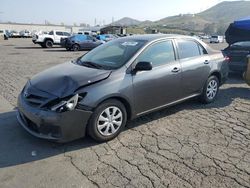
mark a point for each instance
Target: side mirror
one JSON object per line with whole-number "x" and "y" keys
{"x": 143, "y": 66}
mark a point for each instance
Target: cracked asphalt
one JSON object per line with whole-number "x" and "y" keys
{"x": 188, "y": 145}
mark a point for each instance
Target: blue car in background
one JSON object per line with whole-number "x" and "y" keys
{"x": 106, "y": 37}
{"x": 80, "y": 42}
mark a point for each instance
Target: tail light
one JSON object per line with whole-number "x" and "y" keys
{"x": 227, "y": 59}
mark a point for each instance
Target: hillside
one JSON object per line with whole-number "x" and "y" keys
{"x": 227, "y": 12}
{"x": 126, "y": 22}
{"x": 213, "y": 20}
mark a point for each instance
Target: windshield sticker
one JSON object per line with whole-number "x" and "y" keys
{"x": 129, "y": 43}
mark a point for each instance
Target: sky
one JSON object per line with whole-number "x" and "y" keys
{"x": 87, "y": 11}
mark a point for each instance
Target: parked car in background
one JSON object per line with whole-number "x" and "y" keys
{"x": 80, "y": 42}
{"x": 237, "y": 54}
{"x": 25, "y": 34}
{"x": 117, "y": 81}
{"x": 106, "y": 37}
{"x": 216, "y": 39}
{"x": 14, "y": 34}
{"x": 5, "y": 34}
{"x": 52, "y": 38}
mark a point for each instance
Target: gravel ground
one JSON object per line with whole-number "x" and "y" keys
{"x": 188, "y": 145}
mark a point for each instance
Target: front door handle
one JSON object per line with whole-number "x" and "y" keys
{"x": 206, "y": 62}
{"x": 176, "y": 69}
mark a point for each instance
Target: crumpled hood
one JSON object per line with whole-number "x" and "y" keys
{"x": 64, "y": 79}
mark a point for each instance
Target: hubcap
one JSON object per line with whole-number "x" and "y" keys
{"x": 212, "y": 89}
{"x": 109, "y": 121}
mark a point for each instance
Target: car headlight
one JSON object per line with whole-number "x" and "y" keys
{"x": 66, "y": 105}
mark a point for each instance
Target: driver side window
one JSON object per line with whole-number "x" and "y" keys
{"x": 158, "y": 54}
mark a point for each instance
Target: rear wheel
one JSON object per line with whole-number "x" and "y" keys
{"x": 210, "y": 90}
{"x": 107, "y": 121}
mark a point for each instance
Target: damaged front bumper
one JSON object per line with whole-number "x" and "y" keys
{"x": 59, "y": 127}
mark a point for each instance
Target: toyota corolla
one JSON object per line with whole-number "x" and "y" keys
{"x": 118, "y": 81}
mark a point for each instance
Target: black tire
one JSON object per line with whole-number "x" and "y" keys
{"x": 48, "y": 43}
{"x": 207, "y": 98}
{"x": 92, "y": 128}
{"x": 75, "y": 47}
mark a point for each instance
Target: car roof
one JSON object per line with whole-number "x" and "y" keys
{"x": 153, "y": 37}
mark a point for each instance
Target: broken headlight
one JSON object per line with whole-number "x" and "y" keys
{"x": 66, "y": 105}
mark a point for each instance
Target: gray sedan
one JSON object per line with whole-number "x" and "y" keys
{"x": 118, "y": 81}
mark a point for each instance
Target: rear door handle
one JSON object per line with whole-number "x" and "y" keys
{"x": 206, "y": 62}
{"x": 176, "y": 69}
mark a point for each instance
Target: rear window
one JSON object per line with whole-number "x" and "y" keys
{"x": 80, "y": 37}
{"x": 214, "y": 37}
{"x": 243, "y": 44}
{"x": 66, "y": 34}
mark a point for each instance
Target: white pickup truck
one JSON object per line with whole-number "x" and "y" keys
{"x": 50, "y": 39}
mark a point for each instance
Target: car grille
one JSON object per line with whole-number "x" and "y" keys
{"x": 44, "y": 129}
{"x": 35, "y": 100}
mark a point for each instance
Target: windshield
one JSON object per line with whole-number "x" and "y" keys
{"x": 114, "y": 54}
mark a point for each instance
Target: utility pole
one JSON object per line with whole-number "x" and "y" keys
{"x": 1, "y": 13}
{"x": 95, "y": 22}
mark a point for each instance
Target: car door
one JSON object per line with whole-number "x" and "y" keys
{"x": 89, "y": 42}
{"x": 161, "y": 85}
{"x": 195, "y": 65}
{"x": 58, "y": 36}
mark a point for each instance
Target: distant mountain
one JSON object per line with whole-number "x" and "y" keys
{"x": 227, "y": 11}
{"x": 183, "y": 21}
{"x": 126, "y": 22}
{"x": 213, "y": 20}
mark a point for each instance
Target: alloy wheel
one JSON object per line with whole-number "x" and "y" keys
{"x": 212, "y": 89}
{"x": 109, "y": 121}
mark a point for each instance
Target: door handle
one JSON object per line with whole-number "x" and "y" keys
{"x": 206, "y": 62}
{"x": 176, "y": 69}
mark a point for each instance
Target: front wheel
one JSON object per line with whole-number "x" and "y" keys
{"x": 48, "y": 44}
{"x": 75, "y": 47}
{"x": 210, "y": 90}
{"x": 107, "y": 121}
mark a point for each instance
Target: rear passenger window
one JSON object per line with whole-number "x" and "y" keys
{"x": 159, "y": 54}
{"x": 59, "y": 33}
{"x": 188, "y": 49}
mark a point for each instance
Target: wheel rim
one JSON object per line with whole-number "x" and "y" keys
{"x": 49, "y": 44}
{"x": 109, "y": 121}
{"x": 212, "y": 89}
{"x": 75, "y": 48}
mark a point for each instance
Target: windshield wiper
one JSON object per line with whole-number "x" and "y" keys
{"x": 90, "y": 64}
